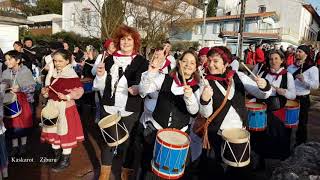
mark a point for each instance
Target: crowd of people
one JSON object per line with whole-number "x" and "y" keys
{"x": 194, "y": 97}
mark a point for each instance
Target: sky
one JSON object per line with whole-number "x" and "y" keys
{"x": 315, "y": 3}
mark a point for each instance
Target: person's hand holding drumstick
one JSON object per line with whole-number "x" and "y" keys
{"x": 156, "y": 61}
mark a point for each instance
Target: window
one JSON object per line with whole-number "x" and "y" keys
{"x": 236, "y": 27}
{"x": 88, "y": 18}
{"x": 262, "y": 9}
{"x": 228, "y": 13}
{"x": 73, "y": 19}
{"x": 246, "y": 27}
{"x": 198, "y": 29}
{"x": 216, "y": 29}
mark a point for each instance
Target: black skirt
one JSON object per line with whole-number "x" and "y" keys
{"x": 274, "y": 142}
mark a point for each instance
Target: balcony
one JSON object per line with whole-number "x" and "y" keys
{"x": 270, "y": 34}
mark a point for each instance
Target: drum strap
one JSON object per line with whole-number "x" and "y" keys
{"x": 206, "y": 144}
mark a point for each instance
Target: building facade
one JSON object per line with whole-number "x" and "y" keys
{"x": 284, "y": 22}
{"x": 83, "y": 17}
{"x": 45, "y": 24}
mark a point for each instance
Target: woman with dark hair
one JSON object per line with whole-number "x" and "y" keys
{"x": 275, "y": 141}
{"x": 22, "y": 85}
{"x": 64, "y": 88}
{"x": 233, "y": 114}
{"x": 119, "y": 94}
{"x": 176, "y": 105}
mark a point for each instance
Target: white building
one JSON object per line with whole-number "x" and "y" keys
{"x": 9, "y": 31}
{"x": 285, "y": 22}
{"x": 83, "y": 18}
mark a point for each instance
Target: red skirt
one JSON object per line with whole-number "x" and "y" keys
{"x": 24, "y": 120}
{"x": 74, "y": 135}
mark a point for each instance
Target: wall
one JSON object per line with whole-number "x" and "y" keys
{"x": 8, "y": 34}
{"x": 73, "y": 11}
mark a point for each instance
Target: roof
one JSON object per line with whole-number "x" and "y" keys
{"x": 314, "y": 13}
{"x": 250, "y": 35}
{"x": 44, "y": 17}
{"x": 232, "y": 17}
{"x": 12, "y": 20}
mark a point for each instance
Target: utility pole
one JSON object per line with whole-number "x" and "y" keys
{"x": 205, "y": 3}
{"x": 241, "y": 27}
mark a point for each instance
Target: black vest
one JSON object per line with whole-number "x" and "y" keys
{"x": 172, "y": 105}
{"x": 133, "y": 75}
{"x": 237, "y": 102}
{"x": 305, "y": 68}
{"x": 276, "y": 102}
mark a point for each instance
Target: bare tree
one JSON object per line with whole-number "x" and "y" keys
{"x": 155, "y": 19}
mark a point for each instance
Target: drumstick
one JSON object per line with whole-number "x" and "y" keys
{"x": 301, "y": 68}
{"x": 42, "y": 68}
{"x": 248, "y": 70}
{"x": 182, "y": 74}
{"x": 260, "y": 69}
{"x": 201, "y": 75}
{"x": 88, "y": 63}
{"x": 53, "y": 90}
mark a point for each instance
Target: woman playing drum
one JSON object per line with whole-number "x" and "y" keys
{"x": 64, "y": 88}
{"x": 177, "y": 101}
{"x": 122, "y": 75}
{"x": 233, "y": 114}
{"x": 275, "y": 142}
{"x": 22, "y": 89}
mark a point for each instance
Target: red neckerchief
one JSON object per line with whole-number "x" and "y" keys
{"x": 117, "y": 54}
{"x": 228, "y": 76}
{"x": 284, "y": 71}
{"x": 166, "y": 64}
{"x": 191, "y": 82}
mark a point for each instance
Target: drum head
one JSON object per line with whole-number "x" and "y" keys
{"x": 256, "y": 106}
{"x": 50, "y": 112}
{"x": 9, "y": 98}
{"x": 109, "y": 121}
{"x": 291, "y": 103}
{"x": 174, "y": 137}
{"x": 236, "y": 135}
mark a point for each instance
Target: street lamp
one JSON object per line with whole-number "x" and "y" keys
{"x": 205, "y": 3}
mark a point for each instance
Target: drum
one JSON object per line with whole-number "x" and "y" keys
{"x": 292, "y": 109}
{"x": 170, "y": 153}
{"x": 235, "y": 149}
{"x": 12, "y": 108}
{"x": 49, "y": 116}
{"x": 113, "y": 130}
{"x": 87, "y": 85}
{"x": 257, "y": 116}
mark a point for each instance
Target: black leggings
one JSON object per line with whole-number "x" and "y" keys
{"x": 111, "y": 155}
{"x": 302, "y": 132}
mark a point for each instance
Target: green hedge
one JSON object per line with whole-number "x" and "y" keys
{"x": 71, "y": 38}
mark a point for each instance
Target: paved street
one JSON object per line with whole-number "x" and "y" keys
{"x": 85, "y": 158}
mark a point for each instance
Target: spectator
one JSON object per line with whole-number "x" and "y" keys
{"x": 259, "y": 55}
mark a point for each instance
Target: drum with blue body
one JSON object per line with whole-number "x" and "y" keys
{"x": 87, "y": 85}
{"x": 292, "y": 114}
{"x": 170, "y": 153}
{"x": 257, "y": 116}
{"x": 11, "y": 105}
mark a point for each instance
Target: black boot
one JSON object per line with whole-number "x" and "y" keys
{"x": 62, "y": 164}
{"x": 23, "y": 150}
{"x": 14, "y": 151}
{"x": 57, "y": 155}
